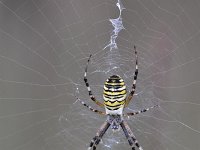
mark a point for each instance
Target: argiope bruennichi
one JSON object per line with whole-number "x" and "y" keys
{"x": 115, "y": 100}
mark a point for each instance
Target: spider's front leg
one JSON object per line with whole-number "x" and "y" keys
{"x": 130, "y": 136}
{"x": 95, "y": 141}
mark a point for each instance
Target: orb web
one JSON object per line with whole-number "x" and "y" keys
{"x": 44, "y": 47}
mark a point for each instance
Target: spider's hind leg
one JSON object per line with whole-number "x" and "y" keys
{"x": 130, "y": 96}
{"x": 140, "y": 111}
{"x": 90, "y": 108}
{"x": 92, "y": 97}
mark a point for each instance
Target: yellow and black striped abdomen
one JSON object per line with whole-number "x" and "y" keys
{"x": 114, "y": 93}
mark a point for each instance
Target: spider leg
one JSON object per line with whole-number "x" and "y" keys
{"x": 130, "y": 136}
{"x": 140, "y": 111}
{"x": 90, "y": 108}
{"x": 88, "y": 86}
{"x": 130, "y": 96}
{"x": 102, "y": 130}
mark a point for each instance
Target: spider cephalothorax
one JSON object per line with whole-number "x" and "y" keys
{"x": 115, "y": 100}
{"x": 114, "y": 121}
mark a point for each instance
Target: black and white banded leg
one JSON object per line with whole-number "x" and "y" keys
{"x": 90, "y": 108}
{"x": 139, "y": 112}
{"x": 88, "y": 86}
{"x": 96, "y": 140}
{"x": 130, "y": 137}
{"x": 130, "y": 96}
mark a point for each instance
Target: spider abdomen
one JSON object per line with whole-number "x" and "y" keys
{"x": 114, "y": 94}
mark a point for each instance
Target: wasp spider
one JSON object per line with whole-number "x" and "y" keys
{"x": 115, "y": 100}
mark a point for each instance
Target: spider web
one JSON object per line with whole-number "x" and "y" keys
{"x": 44, "y": 47}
